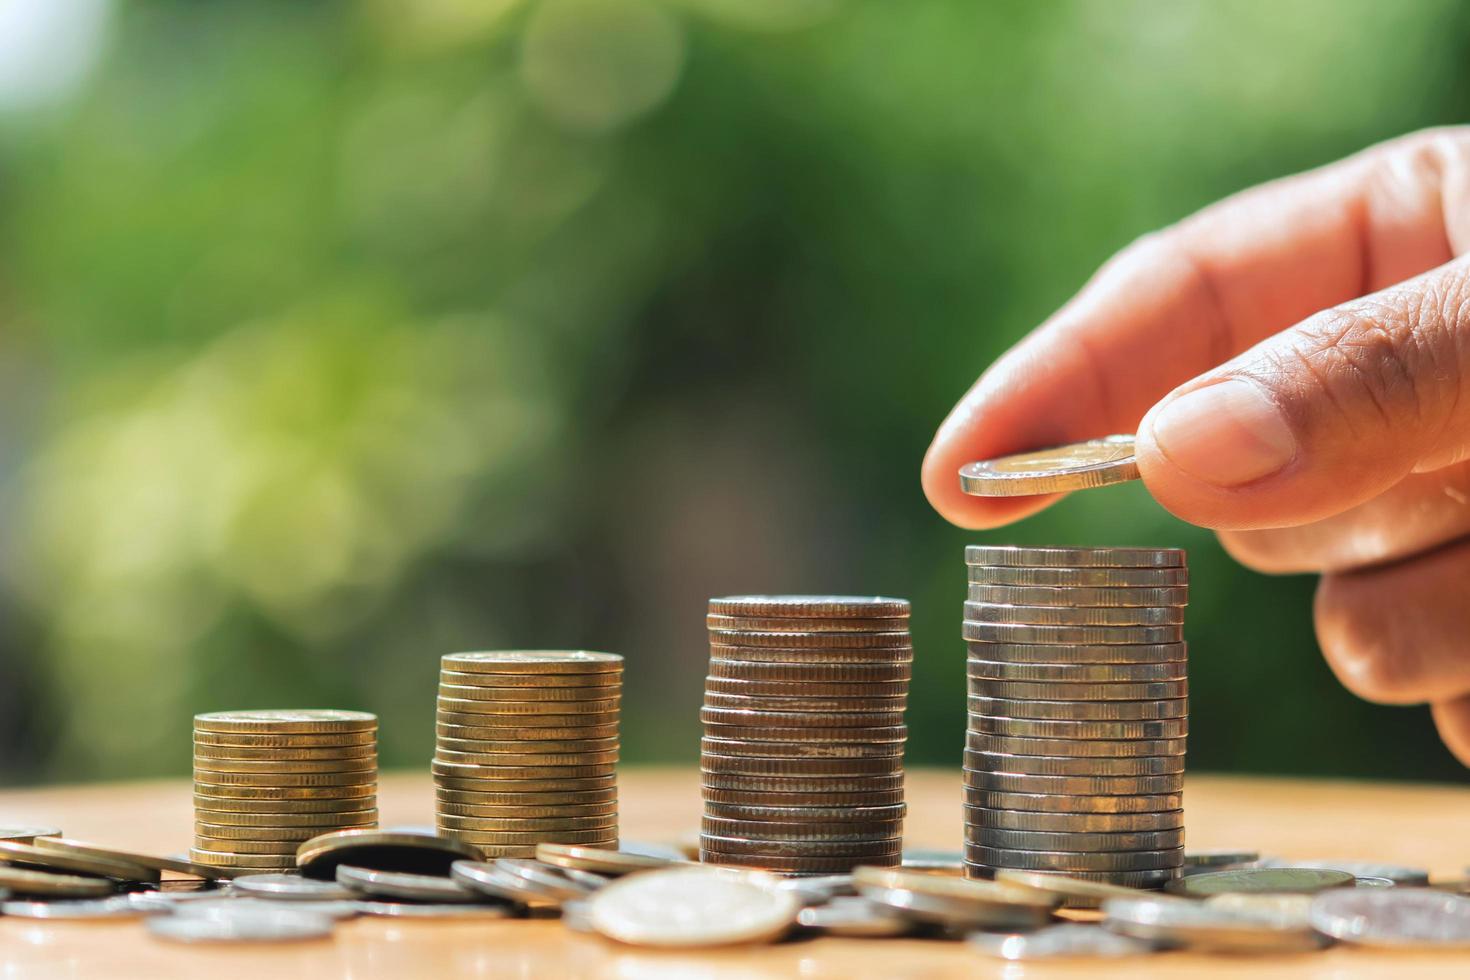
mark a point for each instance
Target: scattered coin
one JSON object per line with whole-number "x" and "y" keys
{"x": 1360, "y": 869}
{"x": 402, "y": 886}
{"x": 1394, "y": 917}
{"x": 156, "y": 863}
{"x": 35, "y": 858}
{"x": 819, "y": 889}
{"x": 1071, "y": 891}
{"x": 855, "y": 918}
{"x": 233, "y": 906}
{"x": 415, "y": 851}
{"x": 421, "y": 910}
{"x": 925, "y": 859}
{"x": 112, "y": 907}
{"x": 954, "y": 902}
{"x": 291, "y": 888}
{"x": 1068, "y": 940}
{"x": 601, "y": 860}
{"x": 27, "y": 835}
{"x": 1260, "y": 881}
{"x": 1220, "y": 858}
{"x": 1175, "y": 922}
{"x": 46, "y": 884}
{"x": 714, "y": 909}
{"x": 560, "y": 884}
{"x": 249, "y": 927}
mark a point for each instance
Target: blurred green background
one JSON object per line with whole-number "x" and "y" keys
{"x": 335, "y": 337}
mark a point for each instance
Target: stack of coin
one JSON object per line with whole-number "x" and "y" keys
{"x": 527, "y": 749}
{"x": 264, "y": 781}
{"x": 802, "y": 755}
{"x": 1074, "y": 759}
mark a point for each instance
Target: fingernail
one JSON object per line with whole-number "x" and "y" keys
{"x": 1227, "y": 434}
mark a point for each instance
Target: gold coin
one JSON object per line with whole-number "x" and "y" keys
{"x": 279, "y": 793}
{"x": 472, "y": 771}
{"x": 494, "y": 837}
{"x": 206, "y": 845}
{"x": 452, "y": 821}
{"x": 1062, "y": 576}
{"x": 1008, "y": 556}
{"x": 992, "y": 612}
{"x": 802, "y": 750}
{"x": 272, "y": 804}
{"x": 216, "y": 831}
{"x": 1060, "y": 469}
{"x": 35, "y": 858}
{"x": 315, "y": 822}
{"x": 242, "y": 753}
{"x": 596, "y": 712}
{"x": 279, "y": 780}
{"x": 523, "y": 812}
{"x": 467, "y": 733}
{"x": 756, "y": 733}
{"x": 538, "y": 784}
{"x": 475, "y": 692}
{"x": 306, "y": 721}
{"x": 341, "y": 740}
{"x": 802, "y": 655}
{"x": 807, "y": 624}
{"x": 808, "y": 709}
{"x": 811, "y": 640}
{"x": 259, "y": 862}
{"x": 518, "y": 721}
{"x": 526, "y": 758}
{"x": 406, "y": 850}
{"x": 798, "y": 689}
{"x": 66, "y": 845}
{"x": 600, "y": 682}
{"x": 551, "y": 746}
{"x": 810, "y": 672}
{"x": 493, "y": 851}
{"x": 295, "y": 767}
{"x": 572, "y": 798}
{"x": 44, "y": 883}
{"x": 534, "y": 662}
{"x": 711, "y": 762}
{"x": 785, "y": 848}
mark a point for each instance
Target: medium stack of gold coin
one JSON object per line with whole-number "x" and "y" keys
{"x": 527, "y": 749}
{"x": 802, "y": 755}
{"x": 264, "y": 781}
{"x": 1074, "y": 759}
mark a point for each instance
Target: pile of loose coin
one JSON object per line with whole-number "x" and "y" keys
{"x": 527, "y": 748}
{"x": 1074, "y": 758}
{"x": 802, "y": 755}
{"x": 265, "y": 781}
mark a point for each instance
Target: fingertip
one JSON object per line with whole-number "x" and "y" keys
{"x": 940, "y": 477}
{"x": 1452, "y": 719}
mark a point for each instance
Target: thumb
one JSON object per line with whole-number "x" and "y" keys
{"x": 1323, "y": 416}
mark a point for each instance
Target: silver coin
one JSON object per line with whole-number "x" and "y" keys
{"x": 484, "y": 878}
{"x": 1157, "y": 709}
{"x": 1009, "y": 556}
{"x": 1394, "y": 917}
{"x": 1073, "y": 891}
{"x": 1072, "y": 939}
{"x": 1368, "y": 881}
{"x": 1008, "y": 782}
{"x": 854, "y": 918}
{"x": 574, "y": 916}
{"x": 26, "y": 834}
{"x": 1079, "y": 748}
{"x": 713, "y": 909}
{"x": 957, "y": 903}
{"x": 1289, "y": 911}
{"x": 426, "y": 910}
{"x": 402, "y": 885}
{"x": 1398, "y": 874}
{"x": 1220, "y": 858}
{"x": 1051, "y": 765}
{"x": 1264, "y": 881}
{"x": 1097, "y": 578}
{"x": 1077, "y": 653}
{"x": 1062, "y": 691}
{"x": 1034, "y": 840}
{"x": 1070, "y": 635}
{"x": 1029, "y": 860}
{"x": 1073, "y": 803}
{"x": 1008, "y": 670}
{"x": 924, "y": 859}
{"x": 1151, "y": 879}
{"x": 1075, "y": 595}
{"x": 819, "y": 889}
{"x": 558, "y": 884}
{"x": 258, "y": 927}
{"x": 1176, "y": 922}
{"x": 1109, "y": 730}
{"x": 989, "y": 612}
{"x": 1078, "y": 823}
{"x": 245, "y": 905}
{"x": 167, "y": 901}
{"x": 285, "y": 887}
{"x": 114, "y": 907}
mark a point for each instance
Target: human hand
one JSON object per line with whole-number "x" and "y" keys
{"x": 1296, "y": 363}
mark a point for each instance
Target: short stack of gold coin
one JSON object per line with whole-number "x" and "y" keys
{"x": 527, "y": 748}
{"x": 265, "y": 781}
{"x": 802, "y": 756}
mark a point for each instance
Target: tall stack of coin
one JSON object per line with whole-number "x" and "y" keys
{"x": 1074, "y": 759}
{"x": 264, "y": 781}
{"x": 527, "y": 749}
{"x": 802, "y": 755}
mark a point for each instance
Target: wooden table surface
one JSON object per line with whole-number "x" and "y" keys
{"x": 1426, "y": 826}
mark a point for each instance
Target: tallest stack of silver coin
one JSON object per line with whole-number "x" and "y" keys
{"x": 1078, "y": 712}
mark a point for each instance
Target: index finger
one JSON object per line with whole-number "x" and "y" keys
{"x": 1183, "y": 300}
